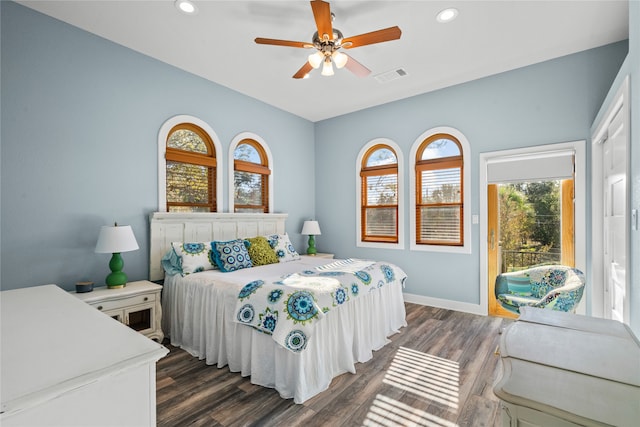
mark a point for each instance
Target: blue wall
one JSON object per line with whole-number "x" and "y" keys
{"x": 74, "y": 106}
{"x": 546, "y": 103}
{"x": 80, "y": 121}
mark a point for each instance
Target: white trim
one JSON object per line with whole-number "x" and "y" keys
{"x": 466, "y": 185}
{"x": 580, "y": 226}
{"x": 597, "y": 216}
{"x": 234, "y": 143}
{"x": 163, "y": 133}
{"x": 398, "y": 152}
{"x": 447, "y": 304}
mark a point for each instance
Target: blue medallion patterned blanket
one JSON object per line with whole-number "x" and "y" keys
{"x": 289, "y": 307}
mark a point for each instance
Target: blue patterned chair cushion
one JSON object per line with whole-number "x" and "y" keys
{"x": 519, "y": 285}
{"x": 231, "y": 255}
{"x": 555, "y": 287}
{"x": 516, "y": 301}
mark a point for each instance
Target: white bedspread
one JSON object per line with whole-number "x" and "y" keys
{"x": 199, "y": 313}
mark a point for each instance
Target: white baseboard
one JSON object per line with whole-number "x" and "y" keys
{"x": 465, "y": 307}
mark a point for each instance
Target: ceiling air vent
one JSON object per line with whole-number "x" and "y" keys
{"x": 390, "y": 75}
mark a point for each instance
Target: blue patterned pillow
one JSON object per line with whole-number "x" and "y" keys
{"x": 283, "y": 247}
{"x": 231, "y": 255}
{"x": 194, "y": 257}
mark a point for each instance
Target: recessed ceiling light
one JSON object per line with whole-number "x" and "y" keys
{"x": 447, "y": 15}
{"x": 185, "y": 6}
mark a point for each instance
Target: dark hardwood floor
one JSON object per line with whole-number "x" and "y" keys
{"x": 438, "y": 371}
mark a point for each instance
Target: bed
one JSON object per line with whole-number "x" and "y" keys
{"x": 203, "y": 311}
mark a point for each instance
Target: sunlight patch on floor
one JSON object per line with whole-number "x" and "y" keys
{"x": 427, "y": 376}
{"x": 387, "y": 412}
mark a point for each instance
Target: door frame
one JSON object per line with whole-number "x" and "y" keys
{"x": 580, "y": 232}
{"x": 620, "y": 101}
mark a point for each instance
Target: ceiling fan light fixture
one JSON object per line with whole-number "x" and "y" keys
{"x": 447, "y": 15}
{"x": 315, "y": 59}
{"x": 327, "y": 68}
{"x": 186, "y": 6}
{"x": 340, "y": 59}
{"x": 328, "y": 40}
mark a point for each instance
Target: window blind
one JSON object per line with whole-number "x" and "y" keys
{"x": 538, "y": 167}
{"x": 187, "y": 183}
{"x": 380, "y": 209}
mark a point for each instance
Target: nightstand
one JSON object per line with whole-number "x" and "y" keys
{"x": 320, "y": 255}
{"x": 137, "y": 305}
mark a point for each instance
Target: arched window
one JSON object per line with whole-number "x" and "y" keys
{"x": 379, "y": 171}
{"x": 251, "y": 176}
{"x": 440, "y": 213}
{"x": 379, "y": 195}
{"x": 190, "y": 170}
{"x": 439, "y": 191}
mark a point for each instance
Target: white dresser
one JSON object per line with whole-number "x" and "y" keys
{"x": 65, "y": 363}
{"x": 563, "y": 369}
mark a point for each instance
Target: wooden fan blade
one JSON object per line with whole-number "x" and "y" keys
{"x": 277, "y": 42}
{"x": 385, "y": 35}
{"x": 322, "y": 15}
{"x": 357, "y": 68}
{"x": 303, "y": 71}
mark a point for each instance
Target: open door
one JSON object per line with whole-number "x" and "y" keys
{"x": 529, "y": 223}
{"x": 493, "y": 251}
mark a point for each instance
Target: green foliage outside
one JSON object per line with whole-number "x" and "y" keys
{"x": 187, "y": 140}
{"x": 529, "y": 224}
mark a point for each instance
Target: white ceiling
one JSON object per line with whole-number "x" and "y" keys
{"x": 488, "y": 37}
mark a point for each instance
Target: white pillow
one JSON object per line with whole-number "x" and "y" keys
{"x": 283, "y": 247}
{"x": 194, "y": 257}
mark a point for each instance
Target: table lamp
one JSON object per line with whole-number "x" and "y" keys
{"x": 115, "y": 240}
{"x": 312, "y": 229}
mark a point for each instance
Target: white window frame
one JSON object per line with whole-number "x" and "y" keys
{"x": 398, "y": 152}
{"x": 163, "y": 134}
{"x": 234, "y": 143}
{"x": 466, "y": 185}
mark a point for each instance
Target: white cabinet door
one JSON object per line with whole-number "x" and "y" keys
{"x": 141, "y": 318}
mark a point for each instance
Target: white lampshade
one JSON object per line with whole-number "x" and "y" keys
{"x": 340, "y": 59}
{"x": 327, "y": 68}
{"x": 315, "y": 59}
{"x": 311, "y": 228}
{"x": 116, "y": 239}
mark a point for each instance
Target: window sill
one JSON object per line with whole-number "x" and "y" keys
{"x": 441, "y": 248}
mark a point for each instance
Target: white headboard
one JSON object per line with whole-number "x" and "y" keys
{"x": 167, "y": 227}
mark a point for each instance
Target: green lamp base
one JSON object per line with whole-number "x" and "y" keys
{"x": 312, "y": 245}
{"x": 117, "y": 278}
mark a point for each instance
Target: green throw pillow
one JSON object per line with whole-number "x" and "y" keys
{"x": 260, "y": 252}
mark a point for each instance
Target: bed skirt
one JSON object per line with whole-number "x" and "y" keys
{"x": 199, "y": 319}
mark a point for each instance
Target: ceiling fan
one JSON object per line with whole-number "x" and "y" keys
{"x": 328, "y": 41}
